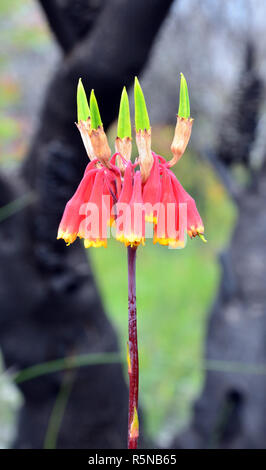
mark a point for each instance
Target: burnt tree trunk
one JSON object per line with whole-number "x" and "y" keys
{"x": 231, "y": 410}
{"x": 50, "y": 305}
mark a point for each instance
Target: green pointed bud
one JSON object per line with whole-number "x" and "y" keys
{"x": 142, "y": 121}
{"x": 82, "y": 103}
{"x": 95, "y": 113}
{"x": 202, "y": 237}
{"x": 184, "y": 106}
{"x": 124, "y": 123}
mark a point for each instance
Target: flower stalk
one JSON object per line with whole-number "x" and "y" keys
{"x": 133, "y": 361}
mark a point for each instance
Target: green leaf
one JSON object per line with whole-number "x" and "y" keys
{"x": 95, "y": 113}
{"x": 83, "y": 107}
{"x": 66, "y": 363}
{"x": 141, "y": 114}
{"x": 124, "y": 123}
{"x": 184, "y": 106}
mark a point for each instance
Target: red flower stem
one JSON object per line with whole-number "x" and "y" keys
{"x": 133, "y": 369}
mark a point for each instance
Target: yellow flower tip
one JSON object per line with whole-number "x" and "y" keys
{"x": 120, "y": 238}
{"x": 141, "y": 241}
{"x": 135, "y": 241}
{"x": 150, "y": 218}
{"x": 200, "y": 229}
{"x": 67, "y": 236}
{"x": 134, "y": 428}
{"x": 174, "y": 243}
{"x": 95, "y": 243}
{"x": 59, "y": 234}
{"x": 177, "y": 244}
{"x": 192, "y": 232}
{"x": 131, "y": 239}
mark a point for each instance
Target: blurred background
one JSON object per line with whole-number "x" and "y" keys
{"x": 201, "y": 310}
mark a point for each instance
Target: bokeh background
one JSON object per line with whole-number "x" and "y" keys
{"x": 220, "y": 47}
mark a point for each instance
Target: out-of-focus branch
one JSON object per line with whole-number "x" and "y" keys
{"x": 238, "y": 131}
{"x": 70, "y": 21}
{"x": 58, "y": 24}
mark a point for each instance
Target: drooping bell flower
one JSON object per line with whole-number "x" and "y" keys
{"x": 122, "y": 206}
{"x": 152, "y": 191}
{"x": 69, "y": 226}
{"x": 194, "y": 222}
{"x": 134, "y": 233}
{"x": 111, "y": 190}
{"x": 181, "y": 138}
{"x": 93, "y": 227}
{"x": 166, "y": 227}
{"x": 99, "y": 187}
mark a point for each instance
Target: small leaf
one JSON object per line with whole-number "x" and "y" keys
{"x": 124, "y": 124}
{"x": 95, "y": 113}
{"x": 82, "y": 103}
{"x": 184, "y": 106}
{"x": 142, "y": 121}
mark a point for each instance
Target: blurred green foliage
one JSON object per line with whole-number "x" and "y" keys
{"x": 22, "y": 35}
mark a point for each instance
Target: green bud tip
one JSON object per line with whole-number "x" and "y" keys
{"x": 184, "y": 106}
{"x": 142, "y": 120}
{"x": 82, "y": 103}
{"x": 95, "y": 113}
{"x": 124, "y": 123}
{"x": 202, "y": 237}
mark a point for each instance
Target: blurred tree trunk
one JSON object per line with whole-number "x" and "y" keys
{"x": 230, "y": 412}
{"x": 50, "y": 303}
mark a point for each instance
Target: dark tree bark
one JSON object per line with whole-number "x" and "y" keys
{"x": 238, "y": 131}
{"x": 230, "y": 413}
{"x": 50, "y": 306}
{"x": 71, "y": 21}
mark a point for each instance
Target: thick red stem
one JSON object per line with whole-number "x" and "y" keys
{"x": 133, "y": 371}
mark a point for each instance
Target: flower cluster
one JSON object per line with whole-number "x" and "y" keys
{"x": 116, "y": 193}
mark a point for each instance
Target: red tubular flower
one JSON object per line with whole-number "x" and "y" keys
{"x": 166, "y": 228}
{"x": 122, "y": 207}
{"x": 194, "y": 223}
{"x": 69, "y": 226}
{"x": 153, "y": 194}
{"x": 111, "y": 190}
{"x": 134, "y": 233}
{"x": 93, "y": 227}
{"x": 152, "y": 191}
{"x": 96, "y": 193}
